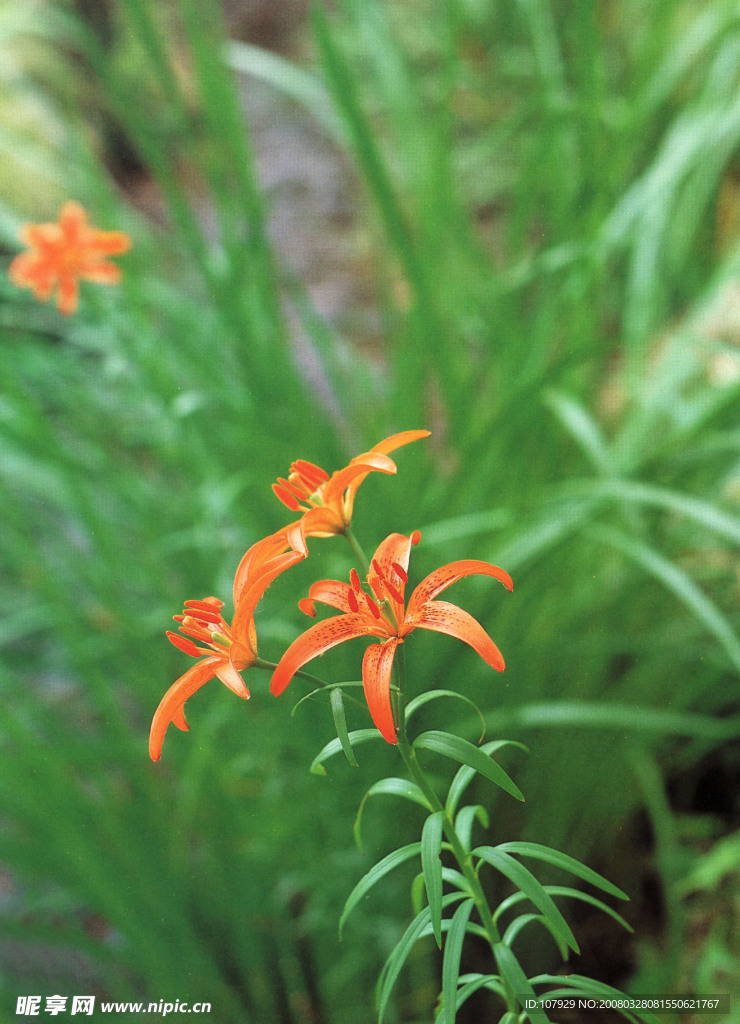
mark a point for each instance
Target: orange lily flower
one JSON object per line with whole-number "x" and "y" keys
{"x": 65, "y": 253}
{"x": 380, "y": 612}
{"x": 327, "y": 501}
{"x": 228, "y": 650}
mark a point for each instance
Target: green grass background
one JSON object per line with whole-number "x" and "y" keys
{"x": 549, "y": 196}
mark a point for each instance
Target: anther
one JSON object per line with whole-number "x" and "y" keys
{"x": 352, "y": 601}
{"x": 372, "y": 605}
{"x": 400, "y": 571}
{"x": 415, "y": 537}
{"x": 287, "y": 498}
{"x": 355, "y": 581}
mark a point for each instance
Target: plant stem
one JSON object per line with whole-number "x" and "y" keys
{"x": 358, "y": 552}
{"x": 462, "y": 856}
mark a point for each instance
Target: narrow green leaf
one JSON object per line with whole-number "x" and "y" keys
{"x": 472, "y": 983}
{"x": 462, "y": 751}
{"x": 431, "y": 865}
{"x": 570, "y": 893}
{"x": 322, "y": 690}
{"x": 516, "y": 979}
{"x": 334, "y": 746}
{"x": 465, "y": 775}
{"x": 564, "y": 861}
{"x": 579, "y": 985}
{"x": 523, "y": 920}
{"x": 340, "y": 724}
{"x": 378, "y": 871}
{"x": 465, "y": 819}
{"x": 394, "y": 964}
{"x": 451, "y": 962}
{"x": 524, "y": 879}
{"x": 390, "y": 787}
{"x": 429, "y": 695}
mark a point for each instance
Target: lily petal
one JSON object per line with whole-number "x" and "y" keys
{"x": 333, "y": 593}
{"x": 254, "y": 590}
{"x": 446, "y": 575}
{"x": 315, "y": 641}
{"x": 353, "y": 474}
{"x": 259, "y": 555}
{"x": 171, "y": 707}
{"x": 377, "y": 666}
{"x": 443, "y": 617}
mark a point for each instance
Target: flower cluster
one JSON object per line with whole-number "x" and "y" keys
{"x": 375, "y": 609}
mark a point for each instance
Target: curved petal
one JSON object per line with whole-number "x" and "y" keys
{"x": 399, "y": 440}
{"x": 254, "y": 590}
{"x": 171, "y": 707}
{"x": 321, "y": 522}
{"x": 443, "y": 617}
{"x": 257, "y": 556}
{"x": 229, "y": 675}
{"x": 377, "y": 666}
{"x": 353, "y": 474}
{"x": 446, "y": 575}
{"x": 316, "y": 640}
{"x": 331, "y": 592}
{"x": 72, "y": 221}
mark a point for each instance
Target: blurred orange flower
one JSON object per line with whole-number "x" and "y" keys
{"x": 228, "y": 649}
{"x": 327, "y": 501}
{"x": 63, "y": 254}
{"x": 381, "y": 613}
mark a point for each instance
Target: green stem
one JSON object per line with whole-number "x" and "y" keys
{"x": 359, "y": 553}
{"x": 270, "y": 666}
{"x": 461, "y": 855}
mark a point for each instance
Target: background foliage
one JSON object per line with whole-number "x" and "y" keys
{"x": 539, "y": 262}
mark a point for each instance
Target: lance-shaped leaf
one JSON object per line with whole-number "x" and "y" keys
{"x": 451, "y": 963}
{"x": 340, "y": 724}
{"x": 517, "y": 981}
{"x": 390, "y": 787}
{"x": 378, "y": 871}
{"x": 524, "y": 880}
{"x": 394, "y": 964}
{"x": 334, "y": 746}
{"x": 466, "y": 753}
{"x": 431, "y": 866}
{"x": 465, "y": 775}
{"x": 567, "y": 863}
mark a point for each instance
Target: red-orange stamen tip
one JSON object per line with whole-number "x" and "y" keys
{"x": 352, "y": 601}
{"x": 206, "y": 606}
{"x": 400, "y": 571}
{"x": 395, "y": 594}
{"x": 355, "y": 581}
{"x": 372, "y": 606}
{"x": 184, "y": 645}
{"x": 287, "y": 498}
{"x": 415, "y": 537}
{"x": 311, "y": 469}
{"x": 204, "y": 616}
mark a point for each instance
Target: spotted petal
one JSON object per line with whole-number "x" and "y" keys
{"x": 315, "y": 641}
{"x": 443, "y": 617}
{"x": 446, "y": 575}
{"x": 377, "y": 666}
